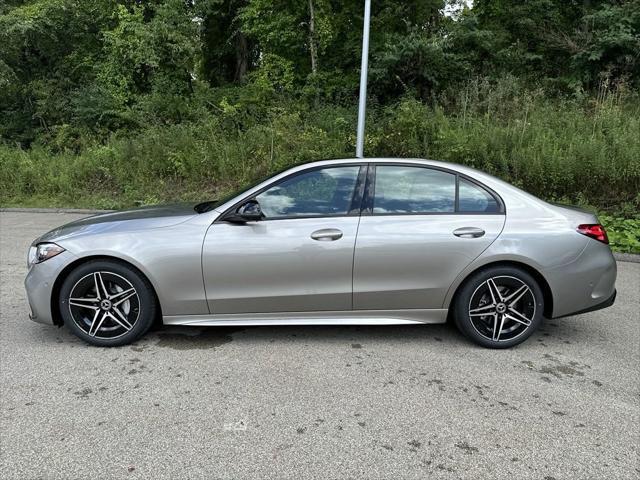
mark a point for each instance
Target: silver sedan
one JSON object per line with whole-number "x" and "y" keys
{"x": 337, "y": 242}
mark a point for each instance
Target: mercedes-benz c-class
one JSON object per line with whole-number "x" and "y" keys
{"x": 336, "y": 242}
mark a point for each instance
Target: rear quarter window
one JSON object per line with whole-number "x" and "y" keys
{"x": 473, "y": 198}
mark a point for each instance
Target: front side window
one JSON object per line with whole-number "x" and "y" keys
{"x": 319, "y": 192}
{"x": 402, "y": 189}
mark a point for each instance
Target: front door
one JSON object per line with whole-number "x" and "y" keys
{"x": 299, "y": 258}
{"x": 422, "y": 226}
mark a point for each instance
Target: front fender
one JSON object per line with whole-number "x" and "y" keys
{"x": 169, "y": 257}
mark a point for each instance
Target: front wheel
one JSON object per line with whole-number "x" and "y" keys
{"x": 499, "y": 307}
{"x": 107, "y": 303}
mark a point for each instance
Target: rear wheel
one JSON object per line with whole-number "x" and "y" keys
{"x": 499, "y": 307}
{"x": 107, "y": 303}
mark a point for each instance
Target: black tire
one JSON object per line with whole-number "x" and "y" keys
{"x": 126, "y": 315}
{"x": 478, "y": 310}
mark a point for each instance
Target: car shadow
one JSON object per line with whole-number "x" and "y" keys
{"x": 550, "y": 333}
{"x": 188, "y": 338}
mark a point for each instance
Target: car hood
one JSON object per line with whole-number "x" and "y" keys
{"x": 135, "y": 219}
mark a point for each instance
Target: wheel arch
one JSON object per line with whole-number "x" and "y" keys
{"x": 547, "y": 294}
{"x": 64, "y": 273}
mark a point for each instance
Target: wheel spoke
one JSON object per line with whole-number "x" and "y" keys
{"x": 101, "y": 290}
{"x": 482, "y": 311}
{"x": 120, "y": 297}
{"x": 90, "y": 303}
{"x": 513, "y": 298}
{"x": 518, "y": 317}
{"x": 96, "y": 323}
{"x": 122, "y": 320}
{"x": 496, "y": 297}
{"x": 497, "y": 330}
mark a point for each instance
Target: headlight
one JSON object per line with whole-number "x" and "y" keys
{"x": 43, "y": 251}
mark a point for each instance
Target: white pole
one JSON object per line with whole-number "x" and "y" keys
{"x": 364, "y": 69}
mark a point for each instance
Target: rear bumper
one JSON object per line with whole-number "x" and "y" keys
{"x": 607, "y": 303}
{"x": 586, "y": 284}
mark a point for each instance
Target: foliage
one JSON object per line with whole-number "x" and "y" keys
{"x": 562, "y": 150}
{"x": 111, "y": 103}
{"x": 624, "y": 233}
{"x": 69, "y": 67}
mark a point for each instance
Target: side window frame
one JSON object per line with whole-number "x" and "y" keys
{"x": 356, "y": 200}
{"x": 369, "y": 193}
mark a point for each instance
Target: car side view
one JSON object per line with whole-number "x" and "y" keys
{"x": 336, "y": 242}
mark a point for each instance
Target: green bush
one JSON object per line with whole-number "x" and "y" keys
{"x": 579, "y": 151}
{"x": 624, "y": 233}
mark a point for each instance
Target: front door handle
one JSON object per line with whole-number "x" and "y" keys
{"x": 468, "y": 232}
{"x": 327, "y": 235}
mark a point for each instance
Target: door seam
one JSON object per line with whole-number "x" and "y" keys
{"x": 204, "y": 282}
{"x": 353, "y": 259}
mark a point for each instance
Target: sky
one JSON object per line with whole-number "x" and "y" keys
{"x": 452, "y": 9}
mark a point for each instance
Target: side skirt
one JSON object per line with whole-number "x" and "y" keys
{"x": 355, "y": 317}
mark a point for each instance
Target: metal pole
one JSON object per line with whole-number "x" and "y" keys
{"x": 364, "y": 69}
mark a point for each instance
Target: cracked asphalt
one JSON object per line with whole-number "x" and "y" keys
{"x": 316, "y": 402}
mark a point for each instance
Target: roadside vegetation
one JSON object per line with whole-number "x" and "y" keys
{"x": 116, "y": 103}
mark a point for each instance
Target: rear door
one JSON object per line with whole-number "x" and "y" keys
{"x": 420, "y": 228}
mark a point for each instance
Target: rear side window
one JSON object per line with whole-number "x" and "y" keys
{"x": 475, "y": 199}
{"x": 403, "y": 189}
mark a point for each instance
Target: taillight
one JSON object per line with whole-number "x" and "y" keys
{"x": 595, "y": 231}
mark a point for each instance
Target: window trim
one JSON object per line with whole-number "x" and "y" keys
{"x": 369, "y": 195}
{"x": 355, "y": 208}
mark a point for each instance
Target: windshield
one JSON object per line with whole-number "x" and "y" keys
{"x": 212, "y": 204}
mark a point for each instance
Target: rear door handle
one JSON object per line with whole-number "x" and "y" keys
{"x": 468, "y": 232}
{"x": 327, "y": 235}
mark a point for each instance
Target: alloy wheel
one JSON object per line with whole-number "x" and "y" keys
{"x": 104, "y": 305}
{"x": 502, "y": 308}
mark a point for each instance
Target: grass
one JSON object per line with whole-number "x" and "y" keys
{"x": 585, "y": 151}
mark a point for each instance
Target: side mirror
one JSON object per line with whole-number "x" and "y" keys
{"x": 249, "y": 211}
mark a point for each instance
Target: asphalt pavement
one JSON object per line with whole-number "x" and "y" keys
{"x": 315, "y": 402}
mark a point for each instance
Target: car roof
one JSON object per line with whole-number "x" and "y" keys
{"x": 372, "y": 160}
{"x": 420, "y": 161}
{"x": 472, "y": 172}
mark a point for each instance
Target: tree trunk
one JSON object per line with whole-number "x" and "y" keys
{"x": 242, "y": 57}
{"x": 586, "y": 6}
{"x": 312, "y": 39}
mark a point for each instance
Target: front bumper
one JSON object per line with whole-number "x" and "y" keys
{"x": 39, "y": 286}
